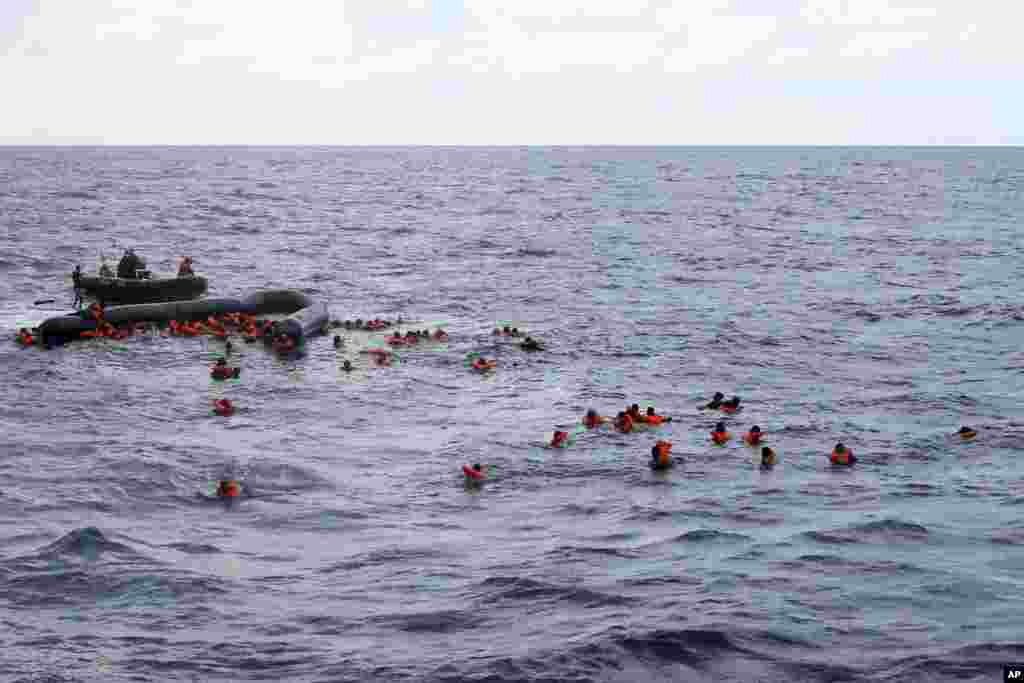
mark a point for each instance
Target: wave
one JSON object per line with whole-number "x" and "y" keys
{"x": 503, "y": 588}
{"x": 882, "y": 530}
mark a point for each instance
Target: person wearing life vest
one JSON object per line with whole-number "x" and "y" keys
{"x": 720, "y": 435}
{"x": 25, "y": 337}
{"x": 731, "y": 406}
{"x": 715, "y": 402}
{"x": 753, "y": 437}
{"x": 559, "y": 439}
{"x": 592, "y": 419}
{"x": 652, "y": 418}
{"x": 634, "y": 413}
{"x": 841, "y": 455}
{"x": 222, "y": 371}
{"x": 228, "y": 488}
{"x": 440, "y": 335}
{"x": 661, "y": 455}
{"x": 473, "y": 474}
{"x": 967, "y": 433}
{"x": 767, "y": 458}
{"x": 482, "y": 364}
{"x": 623, "y": 422}
{"x": 223, "y": 406}
{"x": 185, "y": 268}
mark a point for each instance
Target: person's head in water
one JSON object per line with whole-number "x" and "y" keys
{"x": 840, "y": 448}
{"x": 591, "y": 413}
{"x": 347, "y": 366}
{"x": 755, "y": 430}
{"x": 222, "y": 362}
{"x": 507, "y": 329}
{"x": 967, "y": 431}
{"x": 650, "y": 411}
{"x": 720, "y": 427}
{"x": 337, "y": 340}
{"x": 718, "y": 396}
{"x": 477, "y": 466}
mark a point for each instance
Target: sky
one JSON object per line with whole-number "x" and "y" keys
{"x": 526, "y": 72}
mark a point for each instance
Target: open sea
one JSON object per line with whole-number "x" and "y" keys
{"x": 864, "y": 295}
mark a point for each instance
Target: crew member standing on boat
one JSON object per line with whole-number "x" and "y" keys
{"x": 129, "y": 265}
{"x": 76, "y": 278}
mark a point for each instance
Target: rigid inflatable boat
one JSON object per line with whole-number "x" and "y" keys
{"x": 307, "y": 317}
{"x": 118, "y": 290}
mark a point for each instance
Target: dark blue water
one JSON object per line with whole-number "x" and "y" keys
{"x": 864, "y": 295}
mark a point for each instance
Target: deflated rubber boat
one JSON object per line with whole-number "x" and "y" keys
{"x": 308, "y": 317}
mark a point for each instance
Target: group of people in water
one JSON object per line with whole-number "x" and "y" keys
{"x": 628, "y": 420}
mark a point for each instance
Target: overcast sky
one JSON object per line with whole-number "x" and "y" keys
{"x": 519, "y": 72}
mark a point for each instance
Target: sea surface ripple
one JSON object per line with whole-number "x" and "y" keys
{"x": 869, "y": 295}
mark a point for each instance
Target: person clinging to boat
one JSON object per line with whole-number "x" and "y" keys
{"x": 185, "y": 267}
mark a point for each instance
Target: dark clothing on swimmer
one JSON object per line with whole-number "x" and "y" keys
{"x": 716, "y": 401}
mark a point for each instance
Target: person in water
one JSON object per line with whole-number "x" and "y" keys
{"x": 592, "y": 419}
{"x": 655, "y": 419}
{"x": 720, "y": 435}
{"x": 559, "y": 439}
{"x": 228, "y": 488}
{"x": 753, "y": 437}
{"x": 623, "y": 422}
{"x": 337, "y": 341}
{"x": 185, "y": 268}
{"x": 661, "y": 455}
{"x": 347, "y": 366}
{"x": 531, "y": 344}
{"x": 841, "y": 455}
{"x": 732, "y": 405}
{"x": 967, "y": 433}
{"x": 715, "y": 402}
{"x": 767, "y": 458}
{"x": 634, "y": 412}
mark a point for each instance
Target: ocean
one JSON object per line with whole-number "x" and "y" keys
{"x": 863, "y": 295}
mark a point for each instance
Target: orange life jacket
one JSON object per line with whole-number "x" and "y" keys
{"x": 654, "y": 419}
{"x": 626, "y": 425}
{"x": 841, "y": 458}
{"x": 720, "y": 437}
{"x": 752, "y": 438}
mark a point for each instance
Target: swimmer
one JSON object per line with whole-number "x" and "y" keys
{"x": 732, "y": 405}
{"x": 228, "y": 348}
{"x": 515, "y": 332}
{"x": 592, "y": 419}
{"x": 623, "y": 422}
{"x": 716, "y": 402}
{"x": 720, "y": 435}
{"x": 841, "y": 455}
{"x": 634, "y": 412}
{"x": 753, "y": 437}
{"x": 559, "y": 440}
{"x": 347, "y": 366}
{"x": 653, "y": 419}
{"x": 767, "y": 458}
{"x": 660, "y": 455}
{"x": 337, "y": 341}
{"x": 229, "y": 488}
{"x": 224, "y": 407}
{"x": 507, "y": 331}
{"x": 531, "y": 344}
{"x": 966, "y": 433}
{"x": 474, "y": 474}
